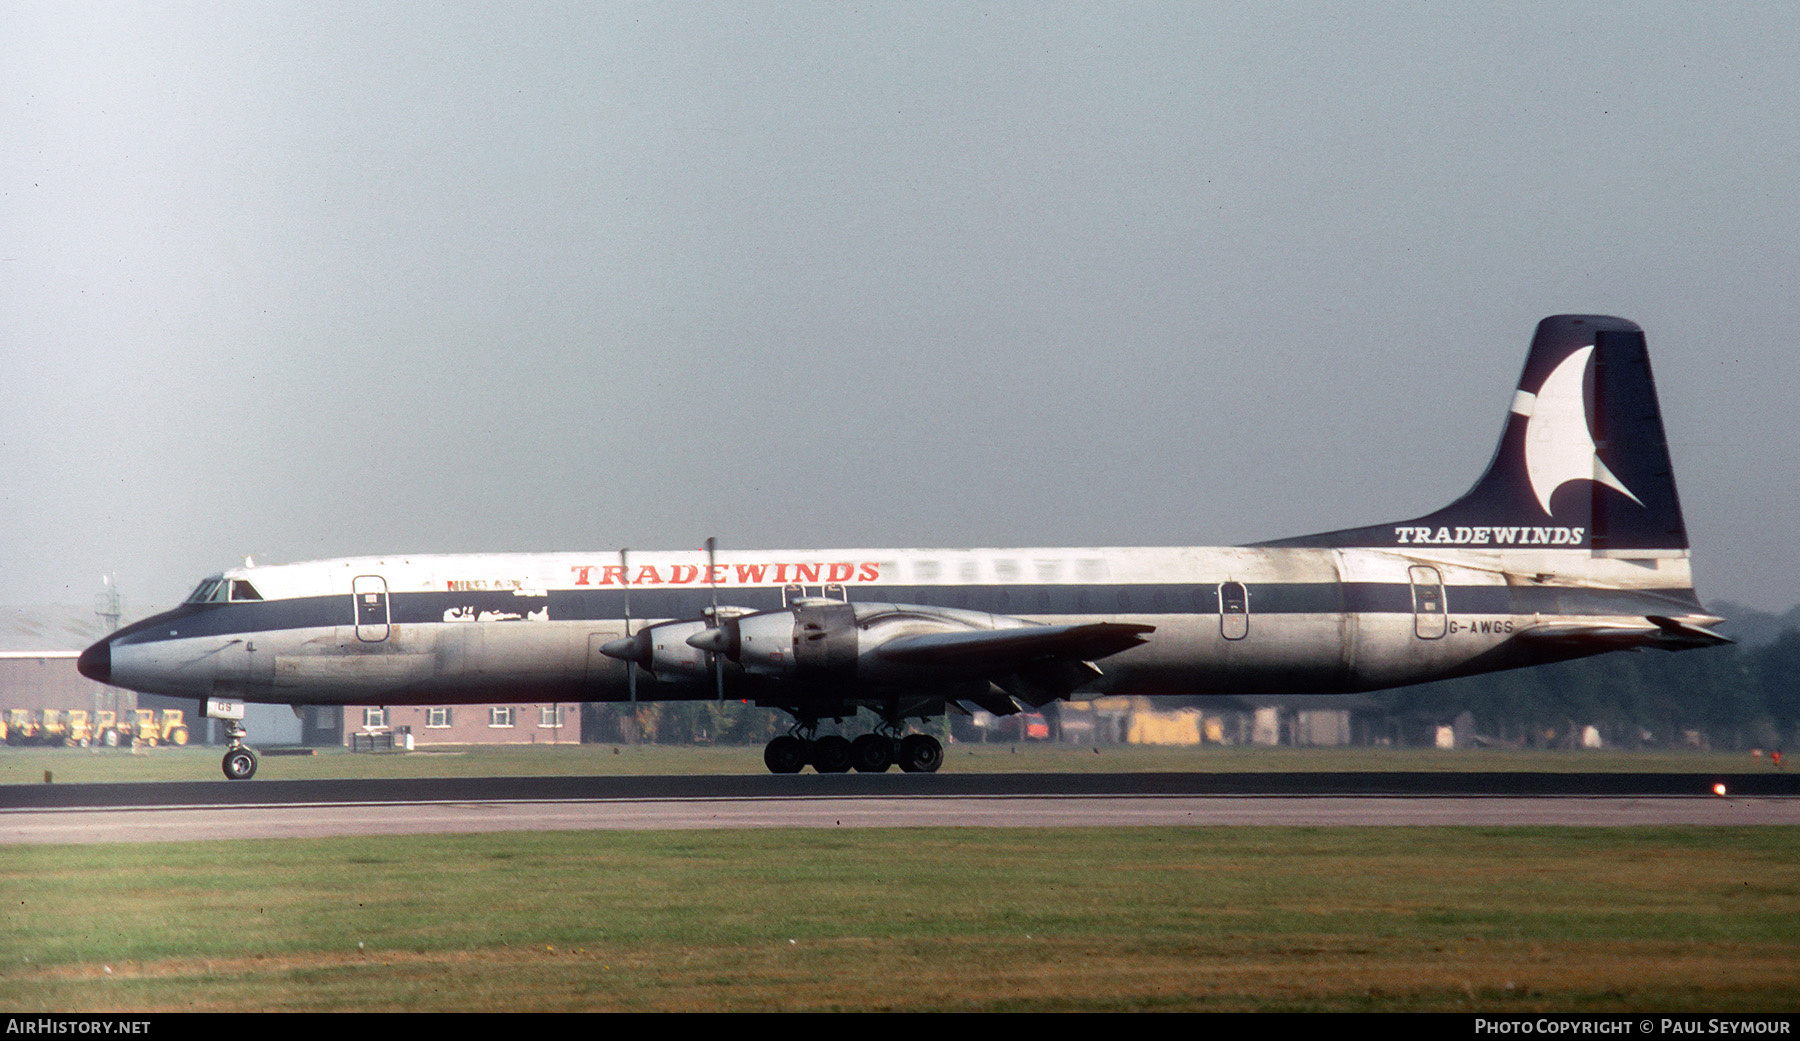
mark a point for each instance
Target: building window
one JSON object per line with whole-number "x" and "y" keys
{"x": 550, "y": 715}
{"x": 437, "y": 717}
{"x": 500, "y": 716}
{"x": 374, "y": 718}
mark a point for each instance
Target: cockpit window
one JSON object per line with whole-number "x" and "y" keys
{"x": 218, "y": 590}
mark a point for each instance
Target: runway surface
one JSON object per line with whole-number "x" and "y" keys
{"x": 198, "y": 811}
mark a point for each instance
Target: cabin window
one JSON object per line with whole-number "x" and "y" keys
{"x": 242, "y": 590}
{"x": 207, "y": 591}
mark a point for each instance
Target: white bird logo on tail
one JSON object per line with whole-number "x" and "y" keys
{"x": 1558, "y": 446}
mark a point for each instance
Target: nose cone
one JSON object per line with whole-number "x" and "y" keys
{"x": 96, "y": 662}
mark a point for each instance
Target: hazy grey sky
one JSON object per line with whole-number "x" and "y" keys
{"x": 308, "y": 280}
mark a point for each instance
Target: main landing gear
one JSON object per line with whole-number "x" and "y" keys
{"x": 870, "y": 753}
{"x": 240, "y": 762}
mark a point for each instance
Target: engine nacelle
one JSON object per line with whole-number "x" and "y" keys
{"x": 671, "y": 658}
{"x": 663, "y": 649}
{"x": 826, "y": 641}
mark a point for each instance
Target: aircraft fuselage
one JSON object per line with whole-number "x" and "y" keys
{"x": 463, "y": 629}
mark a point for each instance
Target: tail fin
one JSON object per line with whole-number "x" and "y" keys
{"x": 1582, "y": 462}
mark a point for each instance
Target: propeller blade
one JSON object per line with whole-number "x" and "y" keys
{"x": 712, "y": 579}
{"x": 631, "y": 667}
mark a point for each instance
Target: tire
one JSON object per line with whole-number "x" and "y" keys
{"x": 831, "y": 755}
{"x": 239, "y": 764}
{"x": 921, "y": 754}
{"x": 872, "y": 754}
{"x": 785, "y": 755}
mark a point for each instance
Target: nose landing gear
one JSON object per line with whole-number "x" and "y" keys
{"x": 239, "y": 762}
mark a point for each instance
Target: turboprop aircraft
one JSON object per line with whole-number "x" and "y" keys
{"x": 1571, "y": 544}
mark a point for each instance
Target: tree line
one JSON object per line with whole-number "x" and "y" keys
{"x": 1732, "y": 697}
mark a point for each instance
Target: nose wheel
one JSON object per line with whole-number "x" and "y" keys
{"x": 239, "y": 763}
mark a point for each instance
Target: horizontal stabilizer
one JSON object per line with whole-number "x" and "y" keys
{"x": 1652, "y": 631}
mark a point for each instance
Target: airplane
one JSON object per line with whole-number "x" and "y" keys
{"x": 1571, "y": 544}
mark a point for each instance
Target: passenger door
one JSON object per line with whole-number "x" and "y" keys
{"x": 1429, "y": 613}
{"x": 370, "y": 594}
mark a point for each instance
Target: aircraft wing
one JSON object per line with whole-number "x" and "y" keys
{"x": 988, "y": 650}
{"x": 1029, "y": 665}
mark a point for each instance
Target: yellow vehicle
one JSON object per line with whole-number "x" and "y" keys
{"x": 80, "y": 728}
{"x": 139, "y": 727}
{"x": 174, "y": 730}
{"x": 53, "y": 727}
{"x": 106, "y": 727}
{"x": 21, "y": 727}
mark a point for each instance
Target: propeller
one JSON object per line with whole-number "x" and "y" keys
{"x": 633, "y": 650}
{"x": 712, "y": 579}
{"x": 630, "y": 666}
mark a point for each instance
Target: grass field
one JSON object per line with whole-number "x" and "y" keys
{"x": 1451, "y": 919}
{"x": 1651, "y": 919}
{"x": 79, "y": 765}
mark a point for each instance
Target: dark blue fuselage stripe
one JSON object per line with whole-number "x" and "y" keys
{"x": 608, "y": 605}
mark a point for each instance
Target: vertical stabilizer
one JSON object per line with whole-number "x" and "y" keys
{"x": 1582, "y": 462}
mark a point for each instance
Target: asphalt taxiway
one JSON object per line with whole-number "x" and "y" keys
{"x": 193, "y": 811}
